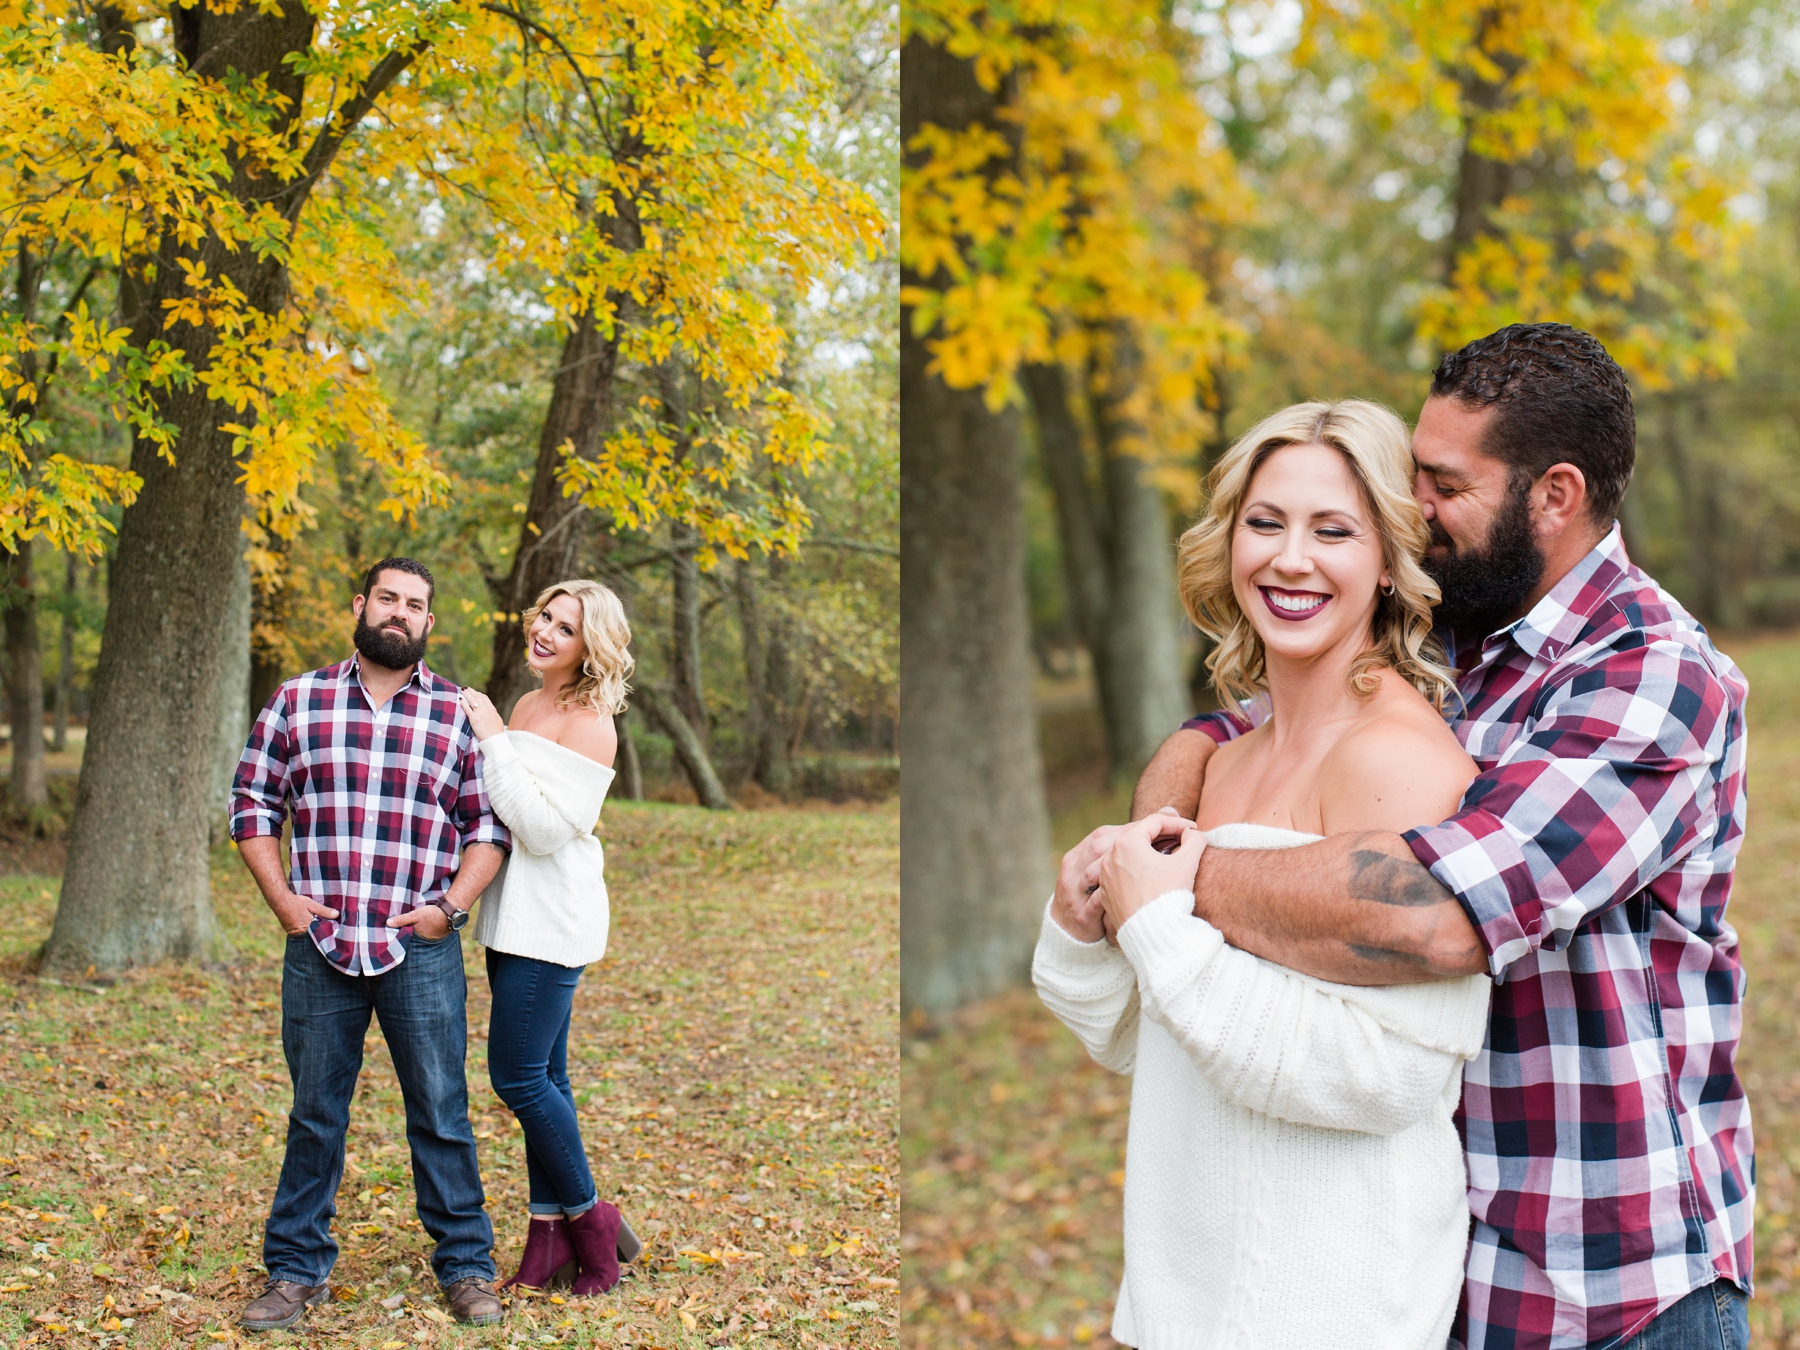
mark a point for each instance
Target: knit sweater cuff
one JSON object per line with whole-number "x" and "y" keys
{"x": 500, "y": 748}
{"x": 1064, "y": 952}
{"x": 1153, "y": 935}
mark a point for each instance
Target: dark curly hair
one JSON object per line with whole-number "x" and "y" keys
{"x": 1558, "y": 398}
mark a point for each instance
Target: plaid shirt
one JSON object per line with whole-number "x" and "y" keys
{"x": 1608, "y": 1137}
{"x": 384, "y": 801}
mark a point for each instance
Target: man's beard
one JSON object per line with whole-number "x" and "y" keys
{"x": 388, "y": 647}
{"x": 1487, "y": 589}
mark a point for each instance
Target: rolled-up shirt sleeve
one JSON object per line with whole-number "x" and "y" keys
{"x": 1229, "y": 723}
{"x": 1615, "y": 777}
{"x": 476, "y": 822}
{"x": 259, "y": 789}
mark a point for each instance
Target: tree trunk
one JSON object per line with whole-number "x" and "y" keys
{"x": 1707, "y": 590}
{"x": 24, "y": 683}
{"x": 973, "y": 820}
{"x": 1481, "y": 183}
{"x": 268, "y": 625}
{"x": 631, "y": 771}
{"x": 579, "y": 399}
{"x": 774, "y": 744}
{"x": 1081, "y": 524}
{"x": 65, "y": 663}
{"x": 687, "y": 687}
{"x": 766, "y": 680}
{"x": 755, "y": 654}
{"x": 234, "y": 700}
{"x": 690, "y": 750}
{"x": 1118, "y": 564}
{"x": 1143, "y": 629}
{"x": 135, "y": 890}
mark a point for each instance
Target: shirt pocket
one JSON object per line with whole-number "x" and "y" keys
{"x": 432, "y": 765}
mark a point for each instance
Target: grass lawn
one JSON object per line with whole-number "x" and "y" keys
{"x": 1013, "y": 1140}
{"x": 734, "y": 1055}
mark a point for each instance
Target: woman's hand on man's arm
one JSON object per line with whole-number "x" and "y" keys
{"x": 1075, "y": 906}
{"x": 484, "y": 717}
{"x": 1141, "y": 865}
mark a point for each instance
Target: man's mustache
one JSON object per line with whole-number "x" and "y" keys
{"x": 1440, "y": 538}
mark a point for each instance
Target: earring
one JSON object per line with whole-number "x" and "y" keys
{"x": 1388, "y": 590}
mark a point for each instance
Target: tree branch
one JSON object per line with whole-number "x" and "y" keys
{"x": 338, "y": 127}
{"x": 61, "y": 326}
{"x": 527, "y": 23}
{"x": 852, "y": 545}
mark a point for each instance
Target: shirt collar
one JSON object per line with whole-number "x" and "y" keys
{"x": 1558, "y": 620}
{"x": 421, "y": 675}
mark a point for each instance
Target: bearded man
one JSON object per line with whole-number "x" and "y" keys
{"x": 393, "y": 840}
{"x": 1587, "y": 871}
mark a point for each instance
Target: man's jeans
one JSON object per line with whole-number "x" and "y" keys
{"x": 324, "y": 1016}
{"x": 1714, "y": 1318}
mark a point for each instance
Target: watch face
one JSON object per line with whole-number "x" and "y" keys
{"x": 458, "y": 919}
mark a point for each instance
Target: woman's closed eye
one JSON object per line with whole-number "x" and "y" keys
{"x": 1330, "y": 533}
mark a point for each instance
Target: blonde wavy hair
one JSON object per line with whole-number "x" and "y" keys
{"x": 607, "y": 663}
{"x": 1373, "y": 442}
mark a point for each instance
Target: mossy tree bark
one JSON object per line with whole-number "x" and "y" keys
{"x": 975, "y": 832}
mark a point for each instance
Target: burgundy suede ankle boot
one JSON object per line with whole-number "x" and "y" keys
{"x": 549, "y": 1255}
{"x": 596, "y": 1238}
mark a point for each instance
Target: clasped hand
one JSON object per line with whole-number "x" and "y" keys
{"x": 1118, "y": 869}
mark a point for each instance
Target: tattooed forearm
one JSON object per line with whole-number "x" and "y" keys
{"x": 1388, "y": 880}
{"x": 1387, "y": 956}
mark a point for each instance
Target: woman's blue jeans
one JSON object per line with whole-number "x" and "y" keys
{"x": 528, "y": 1064}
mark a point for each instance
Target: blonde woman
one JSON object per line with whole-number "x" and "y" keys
{"x": 544, "y": 917}
{"x": 1294, "y": 1175}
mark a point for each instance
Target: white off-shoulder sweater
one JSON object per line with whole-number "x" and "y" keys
{"x": 548, "y": 901}
{"x": 1293, "y": 1177}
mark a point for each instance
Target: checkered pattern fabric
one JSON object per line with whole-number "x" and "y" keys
{"x": 384, "y": 800}
{"x": 1608, "y": 1137}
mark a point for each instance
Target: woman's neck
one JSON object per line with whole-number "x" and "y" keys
{"x": 1308, "y": 698}
{"x": 555, "y": 682}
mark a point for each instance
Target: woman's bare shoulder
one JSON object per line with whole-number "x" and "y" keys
{"x": 1399, "y": 768}
{"x": 595, "y": 737}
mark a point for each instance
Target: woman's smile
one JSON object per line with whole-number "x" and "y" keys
{"x": 1294, "y": 606}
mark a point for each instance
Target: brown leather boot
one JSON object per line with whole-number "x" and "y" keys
{"x": 281, "y": 1304}
{"x": 473, "y": 1301}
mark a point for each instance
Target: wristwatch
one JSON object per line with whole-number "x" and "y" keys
{"x": 457, "y": 917}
